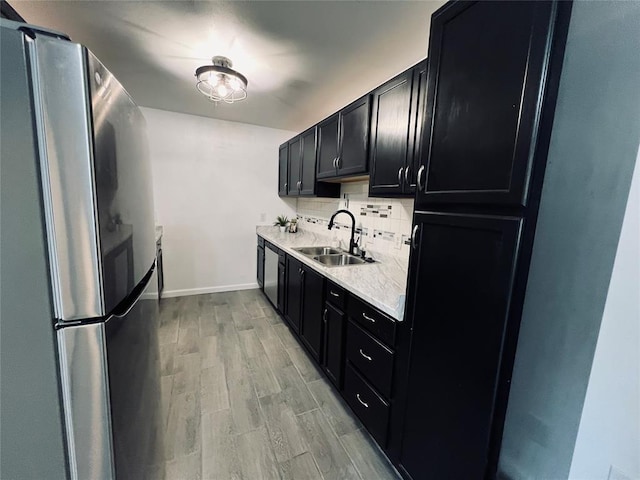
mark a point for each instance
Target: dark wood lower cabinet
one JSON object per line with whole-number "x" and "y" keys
{"x": 318, "y": 311}
{"x": 312, "y": 309}
{"x": 333, "y": 358}
{"x": 461, "y": 276}
{"x": 370, "y": 407}
{"x": 293, "y": 293}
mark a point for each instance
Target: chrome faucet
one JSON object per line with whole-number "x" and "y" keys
{"x": 352, "y": 244}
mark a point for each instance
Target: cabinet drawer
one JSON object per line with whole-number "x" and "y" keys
{"x": 373, "y": 320}
{"x": 372, "y": 409}
{"x": 336, "y": 295}
{"x": 371, "y": 358}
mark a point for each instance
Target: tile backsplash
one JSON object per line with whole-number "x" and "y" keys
{"x": 383, "y": 223}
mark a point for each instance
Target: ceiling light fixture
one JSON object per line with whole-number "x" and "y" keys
{"x": 220, "y": 83}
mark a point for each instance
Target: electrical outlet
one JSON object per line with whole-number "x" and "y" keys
{"x": 616, "y": 474}
{"x": 397, "y": 241}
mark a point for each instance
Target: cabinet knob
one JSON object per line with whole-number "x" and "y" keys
{"x": 419, "y": 177}
{"x": 400, "y": 176}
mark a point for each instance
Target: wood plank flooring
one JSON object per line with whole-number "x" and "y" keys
{"x": 242, "y": 400}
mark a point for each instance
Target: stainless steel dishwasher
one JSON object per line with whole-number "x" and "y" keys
{"x": 271, "y": 274}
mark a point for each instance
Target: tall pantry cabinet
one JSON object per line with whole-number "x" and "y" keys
{"x": 492, "y": 80}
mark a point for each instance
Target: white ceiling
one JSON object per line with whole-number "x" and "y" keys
{"x": 304, "y": 59}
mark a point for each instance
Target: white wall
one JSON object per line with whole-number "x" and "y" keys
{"x": 609, "y": 432}
{"x": 214, "y": 181}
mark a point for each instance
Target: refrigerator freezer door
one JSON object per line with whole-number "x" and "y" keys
{"x": 111, "y": 391}
{"x": 133, "y": 359}
{"x": 123, "y": 185}
{"x": 85, "y": 393}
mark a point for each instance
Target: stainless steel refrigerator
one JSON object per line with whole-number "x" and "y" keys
{"x": 77, "y": 271}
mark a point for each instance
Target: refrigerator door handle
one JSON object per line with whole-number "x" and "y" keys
{"x": 124, "y": 309}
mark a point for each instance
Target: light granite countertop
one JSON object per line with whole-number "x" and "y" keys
{"x": 382, "y": 284}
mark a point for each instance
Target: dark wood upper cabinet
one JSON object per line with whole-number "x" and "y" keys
{"x": 300, "y": 168}
{"x": 328, "y": 135}
{"x": 343, "y": 141}
{"x": 283, "y": 169}
{"x": 312, "y": 310}
{"x": 419, "y": 108}
{"x": 295, "y": 162}
{"x": 308, "y": 163}
{"x": 354, "y": 138}
{"x": 485, "y": 91}
{"x": 462, "y": 273}
{"x": 391, "y": 140}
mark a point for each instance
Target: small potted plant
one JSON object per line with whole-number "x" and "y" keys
{"x": 281, "y": 221}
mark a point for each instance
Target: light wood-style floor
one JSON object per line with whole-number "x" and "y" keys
{"x": 242, "y": 400}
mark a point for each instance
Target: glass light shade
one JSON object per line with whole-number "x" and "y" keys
{"x": 219, "y": 83}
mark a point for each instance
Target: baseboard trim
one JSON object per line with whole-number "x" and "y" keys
{"x": 200, "y": 291}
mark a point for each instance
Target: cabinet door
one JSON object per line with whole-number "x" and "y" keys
{"x": 419, "y": 98}
{"x": 354, "y": 138}
{"x": 485, "y": 92}
{"x": 334, "y": 328}
{"x": 391, "y": 143}
{"x": 460, "y": 289}
{"x": 327, "y": 147}
{"x": 312, "y": 307}
{"x": 295, "y": 161}
{"x": 283, "y": 170}
{"x": 293, "y": 294}
{"x": 308, "y": 166}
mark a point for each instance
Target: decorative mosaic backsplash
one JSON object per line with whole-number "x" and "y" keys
{"x": 380, "y": 211}
{"x": 382, "y": 225}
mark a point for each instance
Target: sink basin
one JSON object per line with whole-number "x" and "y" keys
{"x": 313, "y": 251}
{"x": 338, "y": 260}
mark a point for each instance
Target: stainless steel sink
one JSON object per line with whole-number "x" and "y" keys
{"x": 329, "y": 256}
{"x": 338, "y": 260}
{"x": 313, "y": 251}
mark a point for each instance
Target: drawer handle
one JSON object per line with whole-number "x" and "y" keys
{"x": 365, "y": 355}
{"x": 366, "y": 405}
{"x": 372, "y": 320}
{"x": 334, "y": 293}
